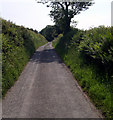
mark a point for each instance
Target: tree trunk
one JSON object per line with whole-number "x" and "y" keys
{"x": 66, "y": 20}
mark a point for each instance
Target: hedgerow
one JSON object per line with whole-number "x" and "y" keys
{"x": 18, "y": 45}
{"x": 98, "y": 44}
{"x": 89, "y": 55}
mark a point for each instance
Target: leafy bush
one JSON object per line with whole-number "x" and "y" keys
{"x": 56, "y": 40}
{"x": 98, "y": 43}
{"x": 18, "y": 46}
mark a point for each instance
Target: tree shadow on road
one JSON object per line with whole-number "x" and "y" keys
{"x": 46, "y": 56}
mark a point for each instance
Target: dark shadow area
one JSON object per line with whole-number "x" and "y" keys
{"x": 27, "y": 42}
{"x": 46, "y": 56}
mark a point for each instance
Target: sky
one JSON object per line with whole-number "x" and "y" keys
{"x": 31, "y": 14}
{"x": 112, "y": 13}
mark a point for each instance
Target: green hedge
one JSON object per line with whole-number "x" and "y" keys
{"x": 18, "y": 45}
{"x": 98, "y": 43}
{"x": 89, "y": 55}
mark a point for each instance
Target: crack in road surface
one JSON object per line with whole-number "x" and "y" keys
{"x": 46, "y": 89}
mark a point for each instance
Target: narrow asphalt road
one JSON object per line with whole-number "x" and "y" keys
{"x": 46, "y": 89}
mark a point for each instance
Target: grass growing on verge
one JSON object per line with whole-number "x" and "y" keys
{"x": 90, "y": 73}
{"x": 18, "y": 45}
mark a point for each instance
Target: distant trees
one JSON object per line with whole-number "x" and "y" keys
{"x": 50, "y": 32}
{"x": 63, "y": 12}
{"x": 33, "y": 30}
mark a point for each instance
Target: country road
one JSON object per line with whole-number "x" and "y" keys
{"x": 47, "y": 89}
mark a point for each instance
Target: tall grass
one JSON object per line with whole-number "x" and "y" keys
{"x": 89, "y": 55}
{"x": 18, "y": 45}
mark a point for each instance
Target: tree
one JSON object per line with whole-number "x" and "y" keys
{"x": 50, "y": 32}
{"x": 63, "y": 12}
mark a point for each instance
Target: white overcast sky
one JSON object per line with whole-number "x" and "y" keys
{"x": 33, "y": 15}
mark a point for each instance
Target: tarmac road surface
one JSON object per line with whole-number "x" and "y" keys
{"x": 47, "y": 89}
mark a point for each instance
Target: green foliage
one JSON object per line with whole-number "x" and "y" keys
{"x": 56, "y": 40}
{"x": 89, "y": 55}
{"x": 98, "y": 43}
{"x": 18, "y": 46}
{"x": 50, "y": 32}
{"x": 62, "y": 12}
